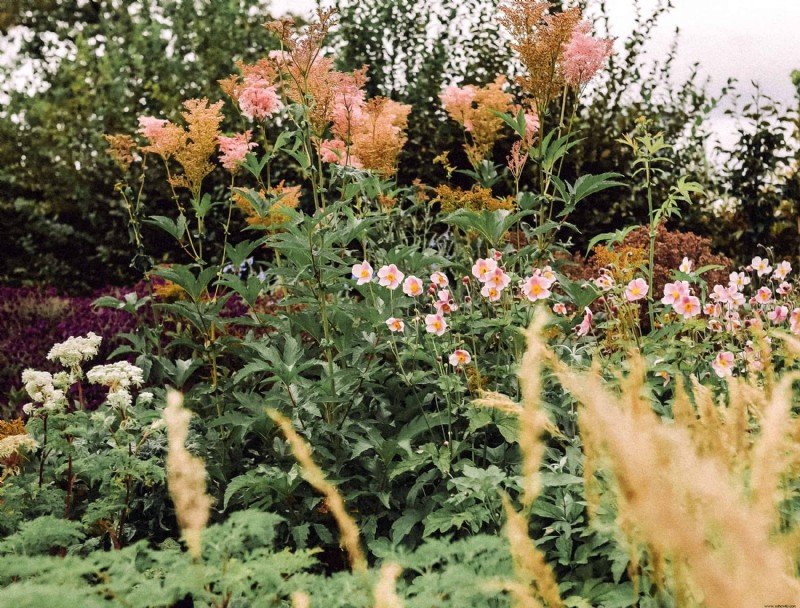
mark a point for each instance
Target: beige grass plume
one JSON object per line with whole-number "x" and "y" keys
{"x": 534, "y": 581}
{"x": 186, "y": 476}
{"x": 683, "y": 499}
{"x": 532, "y": 420}
{"x": 384, "y": 592}
{"x": 314, "y": 475}
{"x": 300, "y": 599}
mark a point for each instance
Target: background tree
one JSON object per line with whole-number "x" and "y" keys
{"x": 98, "y": 66}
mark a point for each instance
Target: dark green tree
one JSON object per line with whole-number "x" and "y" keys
{"x": 97, "y": 66}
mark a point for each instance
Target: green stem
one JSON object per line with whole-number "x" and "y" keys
{"x": 652, "y": 245}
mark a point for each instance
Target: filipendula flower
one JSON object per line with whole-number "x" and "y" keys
{"x": 75, "y": 350}
{"x": 116, "y": 376}
{"x": 258, "y": 99}
{"x": 584, "y": 55}
{"x": 233, "y": 150}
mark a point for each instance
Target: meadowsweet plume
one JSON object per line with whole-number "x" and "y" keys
{"x": 584, "y": 55}
{"x": 120, "y": 148}
{"x": 40, "y": 388}
{"x": 165, "y": 137}
{"x": 203, "y": 121}
{"x": 233, "y": 150}
{"x": 258, "y": 99}
{"x": 381, "y": 135}
{"x": 539, "y": 37}
{"x": 476, "y": 108}
{"x": 117, "y": 376}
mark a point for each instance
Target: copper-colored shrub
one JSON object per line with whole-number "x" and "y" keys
{"x": 671, "y": 247}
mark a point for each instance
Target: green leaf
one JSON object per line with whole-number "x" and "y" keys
{"x": 404, "y": 524}
{"x": 610, "y": 237}
{"x": 586, "y": 185}
{"x": 174, "y": 228}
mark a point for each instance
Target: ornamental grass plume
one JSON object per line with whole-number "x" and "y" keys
{"x": 714, "y": 526}
{"x": 384, "y": 593}
{"x": 534, "y": 577}
{"x": 313, "y": 474}
{"x": 186, "y": 476}
{"x": 300, "y": 599}
{"x": 533, "y": 421}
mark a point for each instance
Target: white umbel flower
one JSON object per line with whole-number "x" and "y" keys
{"x": 74, "y": 351}
{"x": 39, "y": 386}
{"x": 120, "y": 399}
{"x": 117, "y": 376}
{"x": 14, "y": 444}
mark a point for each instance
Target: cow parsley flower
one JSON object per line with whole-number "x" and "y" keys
{"x": 75, "y": 350}
{"x": 117, "y": 376}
